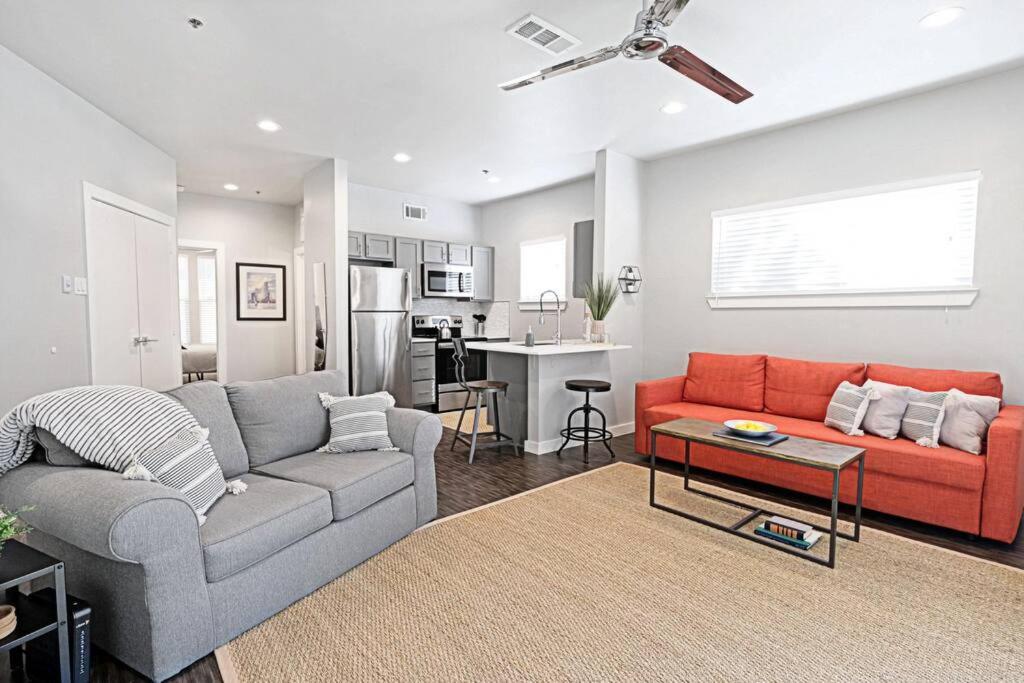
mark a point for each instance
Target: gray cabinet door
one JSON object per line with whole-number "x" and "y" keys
{"x": 356, "y": 244}
{"x": 380, "y": 247}
{"x": 483, "y": 273}
{"x": 409, "y": 255}
{"x": 435, "y": 252}
{"x": 460, "y": 255}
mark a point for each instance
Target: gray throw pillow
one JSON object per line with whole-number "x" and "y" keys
{"x": 968, "y": 416}
{"x": 884, "y": 416}
{"x": 58, "y": 454}
{"x": 847, "y": 408}
{"x": 922, "y": 422}
{"x": 358, "y": 423}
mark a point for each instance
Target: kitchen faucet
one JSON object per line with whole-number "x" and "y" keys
{"x": 558, "y": 313}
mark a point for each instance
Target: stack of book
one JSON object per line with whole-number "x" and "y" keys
{"x": 788, "y": 531}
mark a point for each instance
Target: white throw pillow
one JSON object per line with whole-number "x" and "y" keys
{"x": 358, "y": 423}
{"x": 967, "y": 419}
{"x": 884, "y": 416}
{"x": 847, "y": 408}
{"x": 922, "y": 422}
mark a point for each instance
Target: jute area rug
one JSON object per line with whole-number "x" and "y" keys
{"x": 584, "y": 581}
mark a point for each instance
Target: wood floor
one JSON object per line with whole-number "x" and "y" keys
{"x": 497, "y": 474}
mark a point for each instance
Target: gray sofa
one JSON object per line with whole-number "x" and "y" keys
{"x": 165, "y": 591}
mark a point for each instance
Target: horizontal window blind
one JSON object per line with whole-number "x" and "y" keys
{"x": 184, "y": 307}
{"x": 541, "y": 267}
{"x": 900, "y": 238}
{"x": 206, "y": 270}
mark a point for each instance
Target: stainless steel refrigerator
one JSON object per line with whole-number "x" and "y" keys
{"x": 380, "y": 336}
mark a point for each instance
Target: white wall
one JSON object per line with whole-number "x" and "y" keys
{"x": 252, "y": 232}
{"x": 372, "y": 209}
{"x": 51, "y": 141}
{"x": 975, "y": 125}
{"x": 545, "y": 213}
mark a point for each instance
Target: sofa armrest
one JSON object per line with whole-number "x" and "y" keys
{"x": 417, "y": 433}
{"x": 1003, "y": 495}
{"x": 652, "y": 393}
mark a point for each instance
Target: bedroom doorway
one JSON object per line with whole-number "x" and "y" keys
{"x": 201, "y": 310}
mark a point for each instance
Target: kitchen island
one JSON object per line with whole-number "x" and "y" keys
{"x": 538, "y": 402}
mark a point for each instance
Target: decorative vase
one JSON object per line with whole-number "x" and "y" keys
{"x": 597, "y": 333}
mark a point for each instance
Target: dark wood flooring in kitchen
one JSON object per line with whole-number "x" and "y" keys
{"x": 498, "y": 474}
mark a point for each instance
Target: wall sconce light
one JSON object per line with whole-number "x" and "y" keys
{"x": 630, "y": 279}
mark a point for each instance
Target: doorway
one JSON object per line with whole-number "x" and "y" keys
{"x": 299, "y": 283}
{"x": 201, "y": 310}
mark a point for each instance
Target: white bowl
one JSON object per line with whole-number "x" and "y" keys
{"x": 765, "y": 428}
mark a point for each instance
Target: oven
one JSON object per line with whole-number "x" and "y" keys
{"x": 450, "y": 394}
{"x": 441, "y": 279}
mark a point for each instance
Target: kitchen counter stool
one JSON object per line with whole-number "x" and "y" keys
{"x": 587, "y": 433}
{"x": 480, "y": 389}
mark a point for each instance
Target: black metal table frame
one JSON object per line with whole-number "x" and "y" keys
{"x": 755, "y": 512}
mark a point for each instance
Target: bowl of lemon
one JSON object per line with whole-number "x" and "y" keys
{"x": 750, "y": 427}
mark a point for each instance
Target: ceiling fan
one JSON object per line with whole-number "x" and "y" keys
{"x": 648, "y": 40}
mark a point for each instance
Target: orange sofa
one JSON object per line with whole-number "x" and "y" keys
{"x": 978, "y": 494}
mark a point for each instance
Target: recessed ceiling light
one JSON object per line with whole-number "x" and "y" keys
{"x": 941, "y": 17}
{"x": 493, "y": 179}
{"x": 672, "y": 107}
{"x": 269, "y": 126}
{"x": 230, "y": 187}
{"x": 402, "y": 158}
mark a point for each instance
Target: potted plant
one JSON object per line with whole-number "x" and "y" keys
{"x": 11, "y": 525}
{"x": 600, "y": 296}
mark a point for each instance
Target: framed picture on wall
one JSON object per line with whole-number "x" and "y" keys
{"x": 262, "y": 293}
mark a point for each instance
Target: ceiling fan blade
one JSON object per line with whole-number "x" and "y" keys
{"x": 664, "y": 11}
{"x": 691, "y": 66}
{"x": 597, "y": 57}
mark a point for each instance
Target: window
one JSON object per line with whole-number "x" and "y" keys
{"x": 184, "y": 306}
{"x": 914, "y": 241}
{"x": 541, "y": 267}
{"x": 206, "y": 271}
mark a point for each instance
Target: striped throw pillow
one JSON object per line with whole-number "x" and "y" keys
{"x": 848, "y": 407}
{"x": 922, "y": 423}
{"x": 358, "y": 423}
{"x": 184, "y": 462}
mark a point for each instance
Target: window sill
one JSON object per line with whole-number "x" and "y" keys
{"x": 943, "y": 298}
{"x": 535, "y": 305}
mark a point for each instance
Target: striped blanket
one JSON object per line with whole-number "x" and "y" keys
{"x": 132, "y": 430}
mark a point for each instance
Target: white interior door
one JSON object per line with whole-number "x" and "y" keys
{"x": 299, "y": 306}
{"x": 156, "y": 266}
{"x": 113, "y": 295}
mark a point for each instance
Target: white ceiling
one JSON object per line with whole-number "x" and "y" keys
{"x": 363, "y": 80}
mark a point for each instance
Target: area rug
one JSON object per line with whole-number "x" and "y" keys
{"x": 583, "y": 581}
{"x": 451, "y": 420}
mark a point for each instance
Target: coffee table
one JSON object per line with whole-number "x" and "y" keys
{"x": 820, "y": 455}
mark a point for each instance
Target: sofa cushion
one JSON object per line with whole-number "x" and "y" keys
{"x": 57, "y": 454}
{"x": 803, "y": 388}
{"x": 355, "y": 480}
{"x": 899, "y": 458}
{"x": 209, "y": 403}
{"x": 982, "y": 383}
{"x": 282, "y": 417}
{"x": 725, "y": 380}
{"x": 272, "y": 514}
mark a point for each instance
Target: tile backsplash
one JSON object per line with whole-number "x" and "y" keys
{"x": 497, "y": 312}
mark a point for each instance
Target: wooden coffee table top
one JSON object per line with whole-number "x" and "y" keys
{"x": 819, "y": 454}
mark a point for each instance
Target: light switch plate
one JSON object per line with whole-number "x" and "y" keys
{"x": 81, "y": 286}
{"x": 66, "y": 284}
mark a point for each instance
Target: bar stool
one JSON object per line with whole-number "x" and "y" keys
{"x": 586, "y": 433}
{"x": 480, "y": 388}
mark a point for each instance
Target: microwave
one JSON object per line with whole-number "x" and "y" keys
{"x": 441, "y": 279}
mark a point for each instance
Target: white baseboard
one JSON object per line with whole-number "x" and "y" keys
{"x": 551, "y": 445}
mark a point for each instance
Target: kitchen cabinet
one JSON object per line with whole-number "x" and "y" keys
{"x": 409, "y": 255}
{"x": 379, "y": 247}
{"x": 483, "y": 273}
{"x": 460, "y": 255}
{"x": 423, "y": 392}
{"x": 435, "y": 252}
{"x": 356, "y": 243}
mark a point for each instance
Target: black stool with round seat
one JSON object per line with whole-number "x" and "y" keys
{"x": 586, "y": 433}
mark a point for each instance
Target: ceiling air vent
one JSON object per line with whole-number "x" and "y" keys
{"x": 543, "y": 35}
{"x": 415, "y": 213}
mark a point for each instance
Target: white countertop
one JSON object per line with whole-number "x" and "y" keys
{"x": 541, "y": 349}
